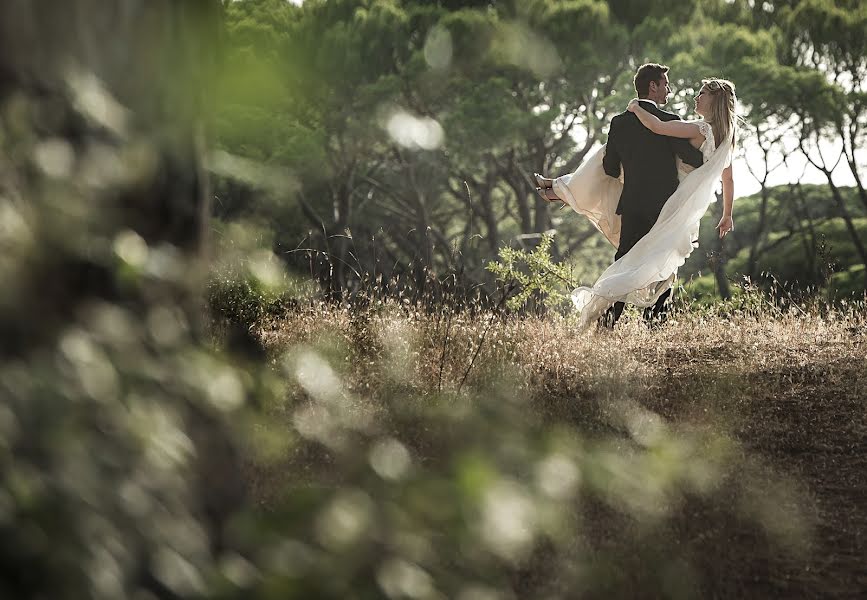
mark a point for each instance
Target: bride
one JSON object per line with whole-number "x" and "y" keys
{"x": 649, "y": 268}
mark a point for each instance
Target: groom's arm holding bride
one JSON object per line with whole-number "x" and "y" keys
{"x": 674, "y": 128}
{"x": 693, "y": 133}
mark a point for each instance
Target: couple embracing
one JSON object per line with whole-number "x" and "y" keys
{"x": 646, "y": 191}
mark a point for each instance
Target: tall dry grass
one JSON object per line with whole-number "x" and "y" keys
{"x": 719, "y": 454}
{"x": 549, "y": 355}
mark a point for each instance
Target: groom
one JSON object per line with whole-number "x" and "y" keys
{"x": 649, "y": 171}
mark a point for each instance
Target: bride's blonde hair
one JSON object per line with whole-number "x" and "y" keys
{"x": 723, "y": 109}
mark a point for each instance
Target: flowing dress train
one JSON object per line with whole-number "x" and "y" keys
{"x": 644, "y": 273}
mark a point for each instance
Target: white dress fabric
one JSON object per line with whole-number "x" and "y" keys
{"x": 644, "y": 273}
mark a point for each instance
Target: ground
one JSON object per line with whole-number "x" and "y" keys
{"x": 721, "y": 455}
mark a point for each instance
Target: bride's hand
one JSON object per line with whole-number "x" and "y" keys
{"x": 725, "y": 225}
{"x": 633, "y": 104}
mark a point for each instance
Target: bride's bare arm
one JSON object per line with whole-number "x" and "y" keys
{"x": 726, "y": 223}
{"x": 678, "y": 129}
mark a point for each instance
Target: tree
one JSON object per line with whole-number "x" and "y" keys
{"x": 823, "y": 67}
{"x": 409, "y": 130}
{"x": 491, "y": 85}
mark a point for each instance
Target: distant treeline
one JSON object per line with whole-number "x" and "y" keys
{"x": 398, "y": 138}
{"x": 786, "y": 234}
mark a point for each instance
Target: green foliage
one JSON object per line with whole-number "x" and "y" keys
{"x": 245, "y": 302}
{"x": 785, "y": 258}
{"x": 847, "y": 284}
{"x": 247, "y": 284}
{"x": 536, "y": 272}
{"x": 637, "y": 12}
{"x": 108, "y": 397}
{"x": 700, "y": 297}
{"x": 334, "y": 453}
{"x": 804, "y": 239}
{"x": 312, "y": 90}
{"x": 835, "y": 28}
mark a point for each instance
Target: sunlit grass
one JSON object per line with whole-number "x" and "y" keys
{"x": 520, "y": 433}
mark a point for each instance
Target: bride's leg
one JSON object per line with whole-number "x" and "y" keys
{"x": 552, "y": 195}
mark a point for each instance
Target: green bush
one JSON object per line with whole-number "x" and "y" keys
{"x": 536, "y": 274}
{"x": 246, "y": 301}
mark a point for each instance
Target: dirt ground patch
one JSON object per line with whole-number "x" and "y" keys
{"x": 788, "y": 519}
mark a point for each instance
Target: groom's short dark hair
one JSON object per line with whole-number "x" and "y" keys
{"x": 645, "y": 74}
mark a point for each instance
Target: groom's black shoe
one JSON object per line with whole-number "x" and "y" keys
{"x": 656, "y": 315}
{"x": 610, "y": 317}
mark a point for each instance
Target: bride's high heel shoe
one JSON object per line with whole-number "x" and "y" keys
{"x": 541, "y": 182}
{"x": 552, "y": 198}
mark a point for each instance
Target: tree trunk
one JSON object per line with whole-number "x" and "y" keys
{"x": 850, "y": 226}
{"x": 542, "y": 216}
{"x": 718, "y": 264}
{"x": 491, "y": 222}
{"x": 841, "y": 203}
{"x": 339, "y": 235}
{"x": 808, "y": 233}
{"x": 852, "y": 136}
{"x": 752, "y": 261}
{"x": 522, "y": 202}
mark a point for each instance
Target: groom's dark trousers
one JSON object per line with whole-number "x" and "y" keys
{"x": 649, "y": 178}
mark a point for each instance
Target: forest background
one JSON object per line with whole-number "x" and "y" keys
{"x": 398, "y": 139}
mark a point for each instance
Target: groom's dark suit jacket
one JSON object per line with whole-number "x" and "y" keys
{"x": 649, "y": 170}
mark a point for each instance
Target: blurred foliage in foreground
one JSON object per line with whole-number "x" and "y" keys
{"x": 145, "y": 455}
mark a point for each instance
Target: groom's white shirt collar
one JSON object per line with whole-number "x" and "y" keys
{"x": 651, "y": 101}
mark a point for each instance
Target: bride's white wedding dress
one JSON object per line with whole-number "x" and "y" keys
{"x": 650, "y": 267}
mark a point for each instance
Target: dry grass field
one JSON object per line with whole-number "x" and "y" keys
{"x": 720, "y": 455}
